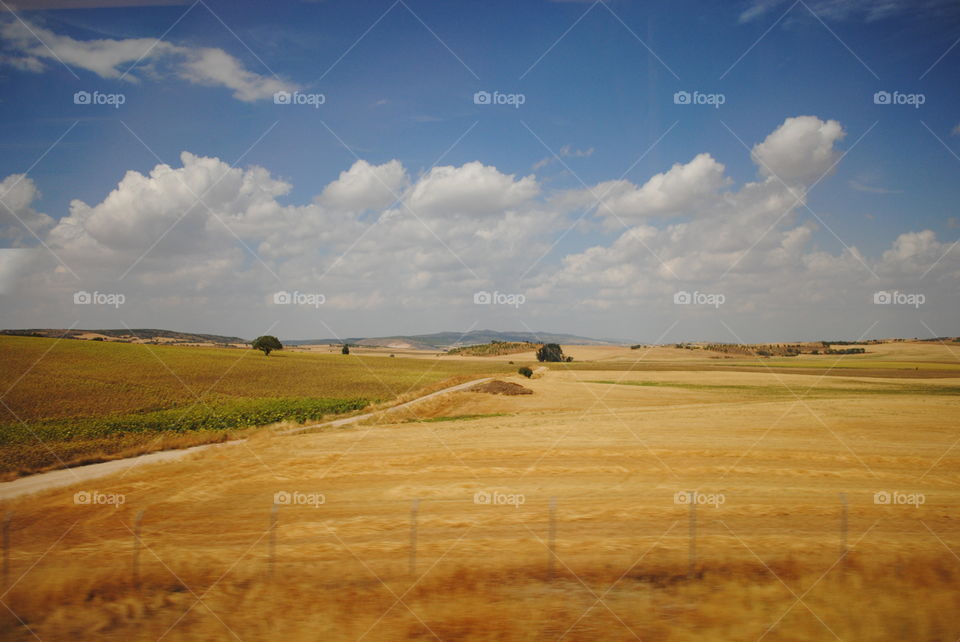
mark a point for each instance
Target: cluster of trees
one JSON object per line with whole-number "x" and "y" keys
{"x": 552, "y": 352}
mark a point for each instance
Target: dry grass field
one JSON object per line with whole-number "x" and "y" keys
{"x": 388, "y": 533}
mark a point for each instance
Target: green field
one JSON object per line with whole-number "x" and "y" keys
{"x": 69, "y": 401}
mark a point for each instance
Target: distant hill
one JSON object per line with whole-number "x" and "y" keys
{"x": 443, "y": 340}
{"x": 135, "y": 334}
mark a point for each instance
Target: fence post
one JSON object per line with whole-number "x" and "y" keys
{"x": 136, "y": 548}
{"x": 693, "y": 534}
{"x": 414, "y": 507}
{"x": 7, "y": 517}
{"x": 843, "y": 526}
{"x": 273, "y": 539}
{"x": 552, "y": 538}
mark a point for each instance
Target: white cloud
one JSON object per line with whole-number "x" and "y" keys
{"x": 17, "y": 216}
{"x": 34, "y": 47}
{"x": 801, "y": 150}
{"x": 460, "y": 229}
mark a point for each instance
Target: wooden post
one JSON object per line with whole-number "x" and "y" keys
{"x": 693, "y": 534}
{"x": 273, "y": 539}
{"x": 843, "y": 525}
{"x": 414, "y": 508}
{"x": 552, "y": 538}
{"x": 7, "y": 517}
{"x": 136, "y": 548}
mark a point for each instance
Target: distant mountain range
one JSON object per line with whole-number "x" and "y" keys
{"x": 442, "y": 340}
{"x": 142, "y": 334}
{"x": 435, "y": 341}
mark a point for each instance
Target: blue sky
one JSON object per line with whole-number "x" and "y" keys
{"x": 598, "y": 82}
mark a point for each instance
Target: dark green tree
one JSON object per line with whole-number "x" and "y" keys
{"x": 345, "y": 349}
{"x": 525, "y": 371}
{"x": 267, "y": 344}
{"x": 550, "y": 352}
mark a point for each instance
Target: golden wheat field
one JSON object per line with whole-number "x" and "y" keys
{"x": 610, "y": 504}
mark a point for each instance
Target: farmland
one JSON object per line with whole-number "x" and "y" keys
{"x": 68, "y": 401}
{"x": 830, "y": 495}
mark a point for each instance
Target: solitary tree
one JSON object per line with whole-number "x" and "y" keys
{"x": 267, "y": 344}
{"x": 550, "y": 352}
{"x": 346, "y": 349}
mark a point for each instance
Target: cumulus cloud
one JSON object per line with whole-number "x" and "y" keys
{"x": 18, "y": 219}
{"x": 801, "y": 150}
{"x": 32, "y": 48}
{"x": 202, "y": 242}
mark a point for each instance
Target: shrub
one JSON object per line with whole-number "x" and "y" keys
{"x": 525, "y": 371}
{"x": 550, "y": 352}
